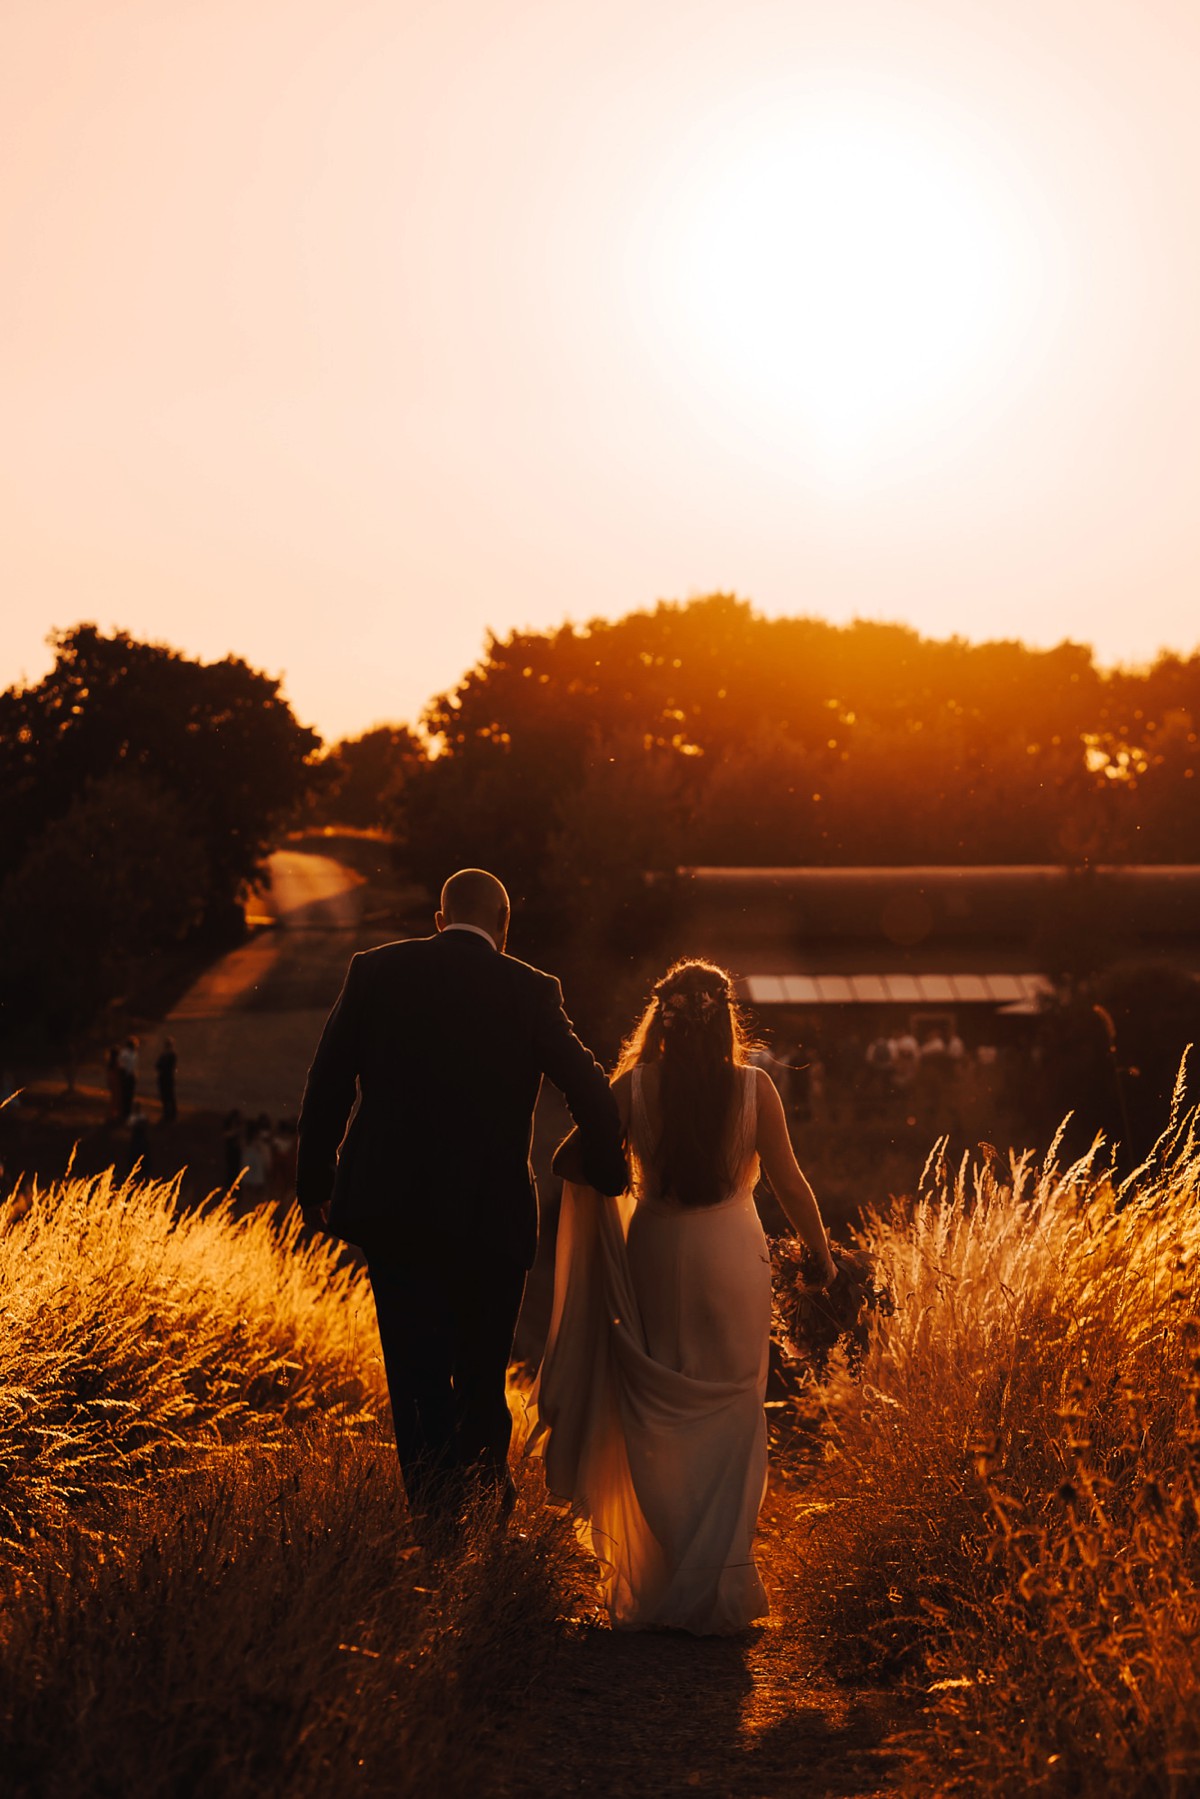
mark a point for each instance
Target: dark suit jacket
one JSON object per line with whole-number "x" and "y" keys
{"x": 444, "y": 1041}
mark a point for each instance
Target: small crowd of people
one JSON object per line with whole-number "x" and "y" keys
{"x": 924, "y": 1074}
{"x": 259, "y": 1156}
{"x": 899, "y": 1065}
{"x": 122, "y": 1068}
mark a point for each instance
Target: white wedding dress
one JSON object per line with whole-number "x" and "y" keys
{"x": 648, "y": 1407}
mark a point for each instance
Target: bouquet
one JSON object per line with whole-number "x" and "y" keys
{"x": 807, "y": 1324}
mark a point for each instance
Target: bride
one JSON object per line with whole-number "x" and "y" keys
{"x": 648, "y": 1407}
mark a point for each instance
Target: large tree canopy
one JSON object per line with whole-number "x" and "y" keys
{"x": 218, "y": 737}
{"x": 784, "y": 741}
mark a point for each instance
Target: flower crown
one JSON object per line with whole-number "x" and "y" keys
{"x": 695, "y": 1006}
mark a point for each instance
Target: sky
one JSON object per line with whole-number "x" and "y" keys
{"x": 337, "y": 334}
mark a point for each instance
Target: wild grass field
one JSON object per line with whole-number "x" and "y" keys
{"x": 1008, "y": 1514}
{"x": 207, "y": 1580}
{"x": 208, "y": 1584}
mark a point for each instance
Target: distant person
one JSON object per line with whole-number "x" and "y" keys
{"x": 958, "y": 1078}
{"x": 256, "y": 1169}
{"x": 908, "y": 1060}
{"x": 127, "y": 1078}
{"x": 112, "y": 1077}
{"x": 164, "y": 1069}
{"x": 932, "y": 1075}
{"x": 139, "y": 1139}
{"x": 443, "y": 1042}
{"x": 232, "y": 1146}
{"x": 881, "y": 1064}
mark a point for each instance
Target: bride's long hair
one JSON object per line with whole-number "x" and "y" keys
{"x": 694, "y": 1034}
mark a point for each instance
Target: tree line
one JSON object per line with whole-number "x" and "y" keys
{"x": 704, "y": 733}
{"x": 140, "y": 791}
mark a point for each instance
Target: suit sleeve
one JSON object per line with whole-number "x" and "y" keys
{"x": 329, "y": 1095}
{"x": 584, "y": 1085}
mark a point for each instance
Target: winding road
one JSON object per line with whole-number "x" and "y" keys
{"x": 246, "y": 1030}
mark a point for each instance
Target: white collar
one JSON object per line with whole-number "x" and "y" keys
{"x": 477, "y": 928}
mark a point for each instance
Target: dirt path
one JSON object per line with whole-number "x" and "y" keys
{"x": 637, "y": 1715}
{"x": 246, "y": 1030}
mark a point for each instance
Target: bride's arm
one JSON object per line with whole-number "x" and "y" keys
{"x": 786, "y": 1176}
{"x": 568, "y": 1159}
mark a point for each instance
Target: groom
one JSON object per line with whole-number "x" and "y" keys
{"x": 443, "y": 1042}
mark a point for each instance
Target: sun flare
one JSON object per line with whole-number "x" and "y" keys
{"x": 840, "y": 278}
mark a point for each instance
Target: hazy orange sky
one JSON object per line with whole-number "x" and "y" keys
{"x": 337, "y": 333}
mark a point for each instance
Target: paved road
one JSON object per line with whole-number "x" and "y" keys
{"x": 246, "y": 1030}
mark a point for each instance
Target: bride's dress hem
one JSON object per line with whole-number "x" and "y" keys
{"x": 748, "y": 1618}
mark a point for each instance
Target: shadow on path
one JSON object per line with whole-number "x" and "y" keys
{"x": 633, "y": 1716}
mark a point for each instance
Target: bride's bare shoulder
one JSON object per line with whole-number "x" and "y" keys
{"x": 766, "y": 1093}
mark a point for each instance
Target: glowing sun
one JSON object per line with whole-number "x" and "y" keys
{"x": 839, "y": 278}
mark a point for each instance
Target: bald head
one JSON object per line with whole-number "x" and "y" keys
{"x": 473, "y": 896}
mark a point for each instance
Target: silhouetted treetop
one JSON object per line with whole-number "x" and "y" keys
{"x": 217, "y": 737}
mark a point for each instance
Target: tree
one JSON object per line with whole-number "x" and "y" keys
{"x": 361, "y": 781}
{"x": 116, "y": 877}
{"x": 219, "y": 737}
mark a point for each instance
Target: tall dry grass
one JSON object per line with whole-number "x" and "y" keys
{"x": 208, "y": 1578}
{"x": 264, "y": 1625}
{"x": 1010, "y": 1509}
{"x": 137, "y": 1334}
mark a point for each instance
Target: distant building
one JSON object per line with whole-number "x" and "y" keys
{"x": 944, "y": 947}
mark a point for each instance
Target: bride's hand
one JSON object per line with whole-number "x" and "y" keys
{"x": 825, "y": 1275}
